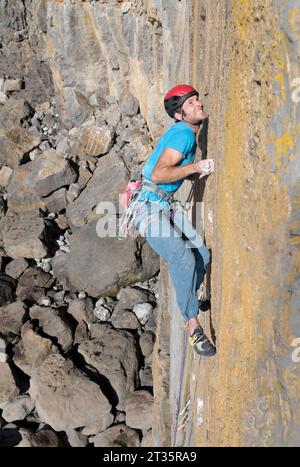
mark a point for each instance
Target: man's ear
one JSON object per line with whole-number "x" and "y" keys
{"x": 178, "y": 116}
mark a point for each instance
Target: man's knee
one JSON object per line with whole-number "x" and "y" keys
{"x": 183, "y": 256}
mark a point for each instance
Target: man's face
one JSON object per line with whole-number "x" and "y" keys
{"x": 193, "y": 110}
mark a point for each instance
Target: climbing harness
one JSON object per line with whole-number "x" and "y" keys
{"x": 130, "y": 199}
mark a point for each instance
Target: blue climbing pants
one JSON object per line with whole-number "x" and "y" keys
{"x": 171, "y": 235}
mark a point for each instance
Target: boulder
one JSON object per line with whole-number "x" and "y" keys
{"x": 139, "y": 406}
{"x": 16, "y": 267}
{"x": 36, "y": 277}
{"x": 82, "y": 310}
{"x": 5, "y": 174}
{"x": 143, "y": 312}
{"x": 23, "y": 235}
{"x": 12, "y": 317}
{"x": 44, "y": 438}
{"x": 53, "y": 325}
{"x": 117, "y": 436}
{"x": 100, "y": 425}
{"x": 128, "y": 297}
{"x": 7, "y": 289}
{"x": 147, "y": 441}
{"x": 124, "y": 319}
{"x": 30, "y": 294}
{"x": 37, "y": 179}
{"x": 105, "y": 263}
{"x": 147, "y": 340}
{"x": 57, "y": 201}
{"x": 31, "y": 352}
{"x": 113, "y": 354}
{"x": 146, "y": 377}
{"x": 92, "y": 139}
{"x": 108, "y": 181}
{"x": 77, "y": 439}
{"x": 65, "y": 398}
{"x": 129, "y": 105}
{"x": 8, "y": 387}
{"x": 18, "y": 408}
{"x": 14, "y": 143}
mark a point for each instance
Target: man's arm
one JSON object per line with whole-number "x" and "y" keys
{"x": 166, "y": 171}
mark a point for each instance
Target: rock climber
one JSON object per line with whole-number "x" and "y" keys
{"x": 158, "y": 218}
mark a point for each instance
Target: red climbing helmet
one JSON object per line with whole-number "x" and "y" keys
{"x": 174, "y": 99}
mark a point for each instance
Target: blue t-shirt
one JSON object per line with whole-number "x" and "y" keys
{"x": 179, "y": 137}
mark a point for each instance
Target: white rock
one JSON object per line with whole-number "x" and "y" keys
{"x": 102, "y": 313}
{"x": 18, "y": 408}
{"x": 81, "y": 295}
{"x": 12, "y": 85}
{"x": 5, "y": 174}
{"x": 143, "y": 312}
{"x": 3, "y": 97}
{"x": 1, "y": 84}
{"x": 3, "y": 356}
{"x": 45, "y": 301}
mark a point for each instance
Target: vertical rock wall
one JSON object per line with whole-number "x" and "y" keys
{"x": 248, "y": 395}
{"x": 244, "y": 58}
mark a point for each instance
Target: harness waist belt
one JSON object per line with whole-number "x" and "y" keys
{"x": 152, "y": 187}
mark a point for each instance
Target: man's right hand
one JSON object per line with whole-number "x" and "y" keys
{"x": 204, "y": 167}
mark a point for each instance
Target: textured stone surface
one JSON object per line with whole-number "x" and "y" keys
{"x": 14, "y": 143}
{"x": 107, "y": 183}
{"x": 11, "y": 317}
{"x": 23, "y": 235}
{"x": 36, "y": 179}
{"x": 113, "y": 354}
{"x": 7, "y": 289}
{"x": 65, "y": 398}
{"x": 139, "y": 410}
{"x": 44, "y": 438}
{"x": 105, "y": 263}
{"x": 30, "y": 353}
{"x": 53, "y": 325}
{"x": 117, "y": 436}
{"x": 18, "y": 408}
{"x": 8, "y": 387}
{"x": 16, "y": 267}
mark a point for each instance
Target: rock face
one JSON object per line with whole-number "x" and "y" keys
{"x": 11, "y": 318}
{"x": 60, "y": 393}
{"x": 8, "y": 387}
{"x": 34, "y": 180}
{"x": 106, "y": 263}
{"x": 74, "y": 76}
{"x": 117, "y": 436}
{"x": 139, "y": 410}
{"x": 18, "y": 408}
{"x": 23, "y": 235}
{"x": 108, "y": 181}
{"x": 53, "y": 325}
{"x": 31, "y": 352}
{"x": 113, "y": 354}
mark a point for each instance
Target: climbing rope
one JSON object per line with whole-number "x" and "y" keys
{"x": 178, "y": 426}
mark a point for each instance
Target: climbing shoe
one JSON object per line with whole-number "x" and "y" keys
{"x": 201, "y": 344}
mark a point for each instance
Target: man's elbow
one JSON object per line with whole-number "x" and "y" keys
{"x": 154, "y": 177}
